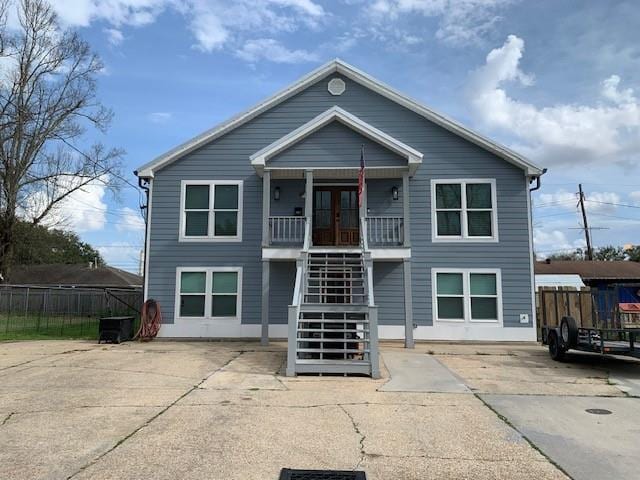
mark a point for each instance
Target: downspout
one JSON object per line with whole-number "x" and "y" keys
{"x": 538, "y": 183}
{"x": 143, "y": 183}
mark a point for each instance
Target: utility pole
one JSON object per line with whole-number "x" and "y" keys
{"x": 587, "y": 232}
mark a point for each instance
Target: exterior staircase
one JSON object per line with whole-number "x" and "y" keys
{"x": 333, "y": 319}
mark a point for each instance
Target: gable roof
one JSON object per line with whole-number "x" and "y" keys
{"x": 591, "y": 270}
{"x": 338, "y": 66}
{"x": 78, "y": 275}
{"x": 335, "y": 113}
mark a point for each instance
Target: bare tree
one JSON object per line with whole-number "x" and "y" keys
{"x": 47, "y": 103}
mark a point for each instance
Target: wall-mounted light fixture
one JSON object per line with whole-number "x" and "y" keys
{"x": 276, "y": 193}
{"x": 394, "y": 193}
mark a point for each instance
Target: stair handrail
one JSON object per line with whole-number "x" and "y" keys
{"x": 296, "y": 301}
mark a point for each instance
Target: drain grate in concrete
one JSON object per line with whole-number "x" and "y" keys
{"x": 289, "y": 474}
{"x": 598, "y": 411}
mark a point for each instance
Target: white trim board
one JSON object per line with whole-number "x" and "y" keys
{"x": 464, "y": 211}
{"x": 341, "y": 67}
{"x": 335, "y": 113}
{"x": 211, "y": 237}
{"x": 216, "y": 329}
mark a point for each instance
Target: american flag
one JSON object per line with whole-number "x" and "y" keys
{"x": 361, "y": 177}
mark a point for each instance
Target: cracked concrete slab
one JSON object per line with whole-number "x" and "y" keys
{"x": 587, "y": 446}
{"x": 223, "y": 410}
{"x": 417, "y": 372}
{"x": 232, "y": 443}
{"x": 51, "y": 445}
{"x": 533, "y": 374}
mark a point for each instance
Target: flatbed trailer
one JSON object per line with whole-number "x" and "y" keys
{"x": 606, "y": 341}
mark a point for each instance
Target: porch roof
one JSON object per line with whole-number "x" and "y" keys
{"x": 414, "y": 157}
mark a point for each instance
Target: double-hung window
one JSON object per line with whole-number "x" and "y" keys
{"x": 211, "y": 292}
{"x": 464, "y": 210}
{"x": 467, "y": 295}
{"x": 211, "y": 210}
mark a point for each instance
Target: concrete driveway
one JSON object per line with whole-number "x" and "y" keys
{"x": 223, "y": 410}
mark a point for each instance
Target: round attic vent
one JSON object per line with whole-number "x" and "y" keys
{"x": 336, "y": 86}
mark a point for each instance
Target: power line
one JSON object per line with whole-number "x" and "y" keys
{"x": 612, "y": 203}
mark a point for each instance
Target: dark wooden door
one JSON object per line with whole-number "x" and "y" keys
{"x": 335, "y": 216}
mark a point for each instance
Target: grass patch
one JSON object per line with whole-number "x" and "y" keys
{"x": 48, "y": 328}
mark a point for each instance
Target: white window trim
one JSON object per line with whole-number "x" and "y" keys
{"x": 208, "y": 293}
{"x": 210, "y": 237}
{"x": 466, "y": 272}
{"x": 464, "y": 238}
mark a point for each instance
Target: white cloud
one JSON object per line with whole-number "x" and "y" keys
{"x": 563, "y": 133}
{"x": 553, "y": 241}
{"x": 635, "y": 197}
{"x": 82, "y": 211}
{"x": 130, "y": 220}
{"x": 274, "y": 51}
{"x": 124, "y": 255}
{"x": 215, "y": 24}
{"x": 159, "y": 117}
{"x": 595, "y": 202}
{"x": 114, "y": 36}
{"x": 461, "y": 22}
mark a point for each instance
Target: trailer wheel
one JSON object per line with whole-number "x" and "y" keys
{"x": 555, "y": 349}
{"x": 568, "y": 332}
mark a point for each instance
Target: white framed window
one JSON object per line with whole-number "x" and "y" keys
{"x": 467, "y": 295}
{"x": 464, "y": 210}
{"x": 211, "y": 210}
{"x": 208, "y": 292}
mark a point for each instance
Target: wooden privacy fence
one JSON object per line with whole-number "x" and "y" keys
{"x": 591, "y": 307}
{"x": 58, "y": 311}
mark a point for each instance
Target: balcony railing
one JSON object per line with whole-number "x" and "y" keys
{"x": 286, "y": 230}
{"x": 385, "y": 231}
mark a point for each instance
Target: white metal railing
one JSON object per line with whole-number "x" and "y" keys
{"x": 296, "y": 301}
{"x": 367, "y": 263}
{"x": 287, "y": 229}
{"x": 384, "y": 231}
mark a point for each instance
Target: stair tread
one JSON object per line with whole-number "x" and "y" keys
{"x": 308, "y": 361}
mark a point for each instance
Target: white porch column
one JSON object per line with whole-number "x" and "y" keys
{"x": 406, "y": 207}
{"x": 264, "y": 337}
{"x": 408, "y": 304}
{"x": 308, "y": 194}
{"x": 266, "y": 206}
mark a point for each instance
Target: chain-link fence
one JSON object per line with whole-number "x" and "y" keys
{"x": 59, "y": 312}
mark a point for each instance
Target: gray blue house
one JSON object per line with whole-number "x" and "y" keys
{"x": 255, "y": 228}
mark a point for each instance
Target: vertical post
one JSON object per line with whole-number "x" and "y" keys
{"x": 308, "y": 194}
{"x": 363, "y": 207}
{"x": 266, "y": 206}
{"x": 406, "y": 216}
{"x": 292, "y": 341}
{"x": 587, "y": 232}
{"x": 373, "y": 342}
{"x": 264, "y": 338}
{"x": 408, "y": 305}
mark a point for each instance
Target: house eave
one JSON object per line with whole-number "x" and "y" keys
{"x": 260, "y": 158}
{"x": 338, "y": 66}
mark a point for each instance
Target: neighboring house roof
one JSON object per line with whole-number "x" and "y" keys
{"x": 591, "y": 270}
{"x": 335, "y": 113}
{"x": 78, "y": 275}
{"x": 338, "y": 66}
{"x": 559, "y": 280}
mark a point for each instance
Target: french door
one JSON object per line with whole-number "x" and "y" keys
{"x": 335, "y": 216}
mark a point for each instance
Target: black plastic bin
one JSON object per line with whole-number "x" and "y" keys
{"x": 115, "y": 329}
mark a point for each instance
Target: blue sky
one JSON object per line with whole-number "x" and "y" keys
{"x": 557, "y": 81}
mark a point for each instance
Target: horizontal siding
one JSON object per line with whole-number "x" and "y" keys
{"x": 336, "y": 145}
{"x": 445, "y": 156}
{"x": 282, "y": 279}
{"x": 388, "y": 292}
{"x": 379, "y": 201}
